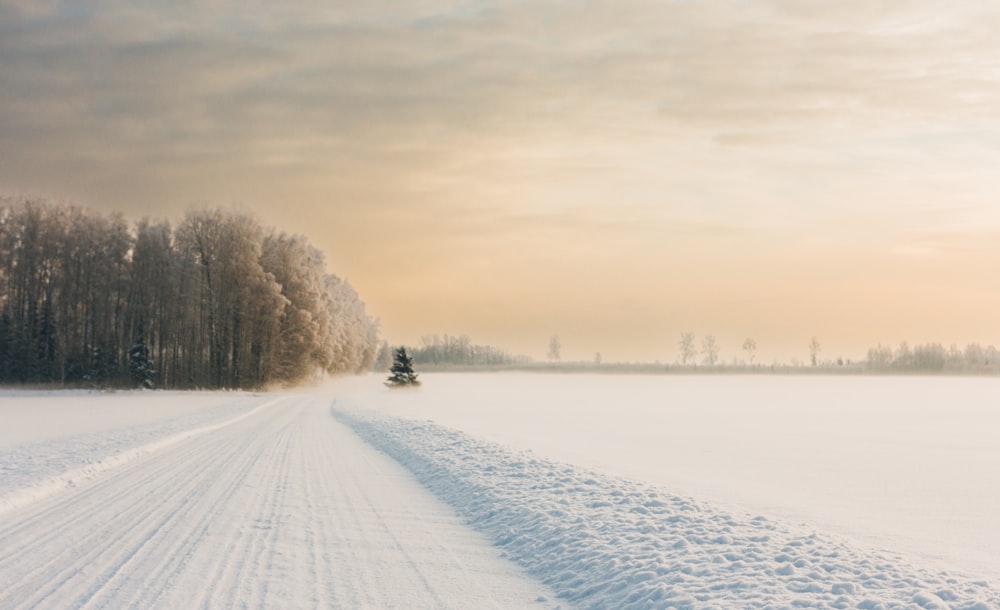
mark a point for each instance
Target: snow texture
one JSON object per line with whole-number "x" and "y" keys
{"x": 120, "y": 427}
{"x": 606, "y": 542}
{"x": 909, "y": 464}
{"x": 278, "y": 506}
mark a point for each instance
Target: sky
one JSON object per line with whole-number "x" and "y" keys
{"x": 611, "y": 172}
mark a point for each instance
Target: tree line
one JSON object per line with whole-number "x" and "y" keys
{"x": 448, "y": 350}
{"x": 219, "y": 301}
{"x": 928, "y": 357}
{"x": 931, "y": 357}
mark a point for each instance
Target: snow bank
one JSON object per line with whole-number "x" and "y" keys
{"x": 605, "y": 542}
{"x": 902, "y": 463}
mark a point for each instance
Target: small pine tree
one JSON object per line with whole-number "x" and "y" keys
{"x": 140, "y": 366}
{"x": 402, "y": 370}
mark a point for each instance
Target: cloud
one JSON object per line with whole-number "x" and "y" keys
{"x": 369, "y": 81}
{"x": 578, "y": 135}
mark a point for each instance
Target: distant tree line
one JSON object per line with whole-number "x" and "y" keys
{"x": 929, "y": 357}
{"x": 217, "y": 302}
{"x": 935, "y": 357}
{"x": 453, "y": 351}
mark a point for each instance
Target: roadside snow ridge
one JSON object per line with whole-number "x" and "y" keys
{"x": 29, "y": 473}
{"x": 604, "y": 542}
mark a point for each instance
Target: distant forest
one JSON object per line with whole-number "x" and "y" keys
{"x": 447, "y": 351}
{"x": 934, "y": 357}
{"x": 218, "y": 301}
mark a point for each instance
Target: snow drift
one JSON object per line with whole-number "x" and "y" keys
{"x": 606, "y": 542}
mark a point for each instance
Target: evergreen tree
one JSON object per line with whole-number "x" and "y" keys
{"x": 140, "y": 367}
{"x": 102, "y": 366}
{"x": 402, "y": 370}
{"x": 5, "y": 342}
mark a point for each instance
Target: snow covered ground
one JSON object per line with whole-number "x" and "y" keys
{"x": 243, "y": 501}
{"x": 906, "y": 464}
{"x": 509, "y": 491}
{"x": 606, "y": 542}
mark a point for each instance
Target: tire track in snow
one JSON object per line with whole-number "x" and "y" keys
{"x": 183, "y": 549}
{"x": 269, "y": 523}
{"x": 115, "y": 538}
{"x": 55, "y": 521}
{"x": 382, "y": 524}
{"x": 231, "y": 578}
{"x": 39, "y": 489}
{"x": 283, "y": 508}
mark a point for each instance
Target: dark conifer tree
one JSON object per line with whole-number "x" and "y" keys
{"x": 402, "y": 370}
{"x": 140, "y": 366}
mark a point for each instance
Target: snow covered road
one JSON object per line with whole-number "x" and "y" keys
{"x": 281, "y": 506}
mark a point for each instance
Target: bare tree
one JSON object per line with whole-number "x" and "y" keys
{"x": 710, "y": 349}
{"x": 686, "y": 347}
{"x": 814, "y": 350}
{"x": 750, "y": 346}
{"x": 555, "y": 347}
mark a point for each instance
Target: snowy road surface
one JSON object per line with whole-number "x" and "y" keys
{"x": 280, "y": 506}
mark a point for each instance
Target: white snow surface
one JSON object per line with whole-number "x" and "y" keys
{"x": 244, "y": 501}
{"x": 57, "y": 439}
{"x": 606, "y": 542}
{"x": 507, "y": 491}
{"x": 905, "y": 464}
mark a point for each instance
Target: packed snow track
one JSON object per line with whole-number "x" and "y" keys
{"x": 280, "y": 506}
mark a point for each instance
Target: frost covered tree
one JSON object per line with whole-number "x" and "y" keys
{"x": 402, "y": 370}
{"x": 555, "y": 347}
{"x": 221, "y": 300}
{"x": 686, "y": 347}
{"x": 710, "y": 350}
{"x": 450, "y": 350}
{"x": 880, "y": 357}
{"x": 354, "y": 343}
{"x": 383, "y": 357}
{"x": 303, "y": 341}
{"x": 814, "y": 349}
{"x": 750, "y": 346}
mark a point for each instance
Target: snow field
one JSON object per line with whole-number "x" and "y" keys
{"x": 606, "y": 542}
{"x": 279, "y": 506}
{"x": 909, "y": 464}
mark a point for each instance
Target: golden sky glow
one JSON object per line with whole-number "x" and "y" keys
{"x": 612, "y": 172}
